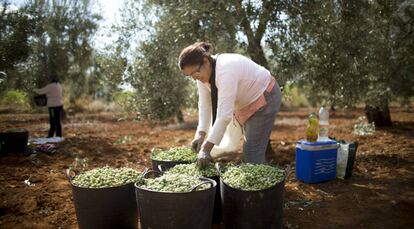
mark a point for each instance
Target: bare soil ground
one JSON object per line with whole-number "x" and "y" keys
{"x": 380, "y": 194}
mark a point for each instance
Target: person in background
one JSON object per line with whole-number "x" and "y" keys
{"x": 231, "y": 84}
{"x": 53, "y": 92}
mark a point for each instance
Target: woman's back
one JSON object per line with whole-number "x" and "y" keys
{"x": 54, "y": 95}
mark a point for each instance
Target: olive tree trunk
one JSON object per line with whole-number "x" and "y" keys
{"x": 379, "y": 115}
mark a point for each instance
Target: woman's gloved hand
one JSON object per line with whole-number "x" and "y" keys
{"x": 196, "y": 143}
{"x": 203, "y": 159}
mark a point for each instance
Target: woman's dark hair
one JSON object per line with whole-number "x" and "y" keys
{"x": 53, "y": 78}
{"x": 194, "y": 54}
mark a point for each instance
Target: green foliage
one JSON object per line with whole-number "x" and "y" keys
{"x": 122, "y": 97}
{"x": 15, "y": 99}
{"x": 161, "y": 90}
{"x": 58, "y": 37}
{"x": 62, "y": 44}
{"x": 109, "y": 71}
{"x": 348, "y": 52}
{"x": 15, "y": 30}
{"x": 337, "y": 52}
{"x": 402, "y": 62}
{"x": 16, "y": 27}
{"x": 293, "y": 97}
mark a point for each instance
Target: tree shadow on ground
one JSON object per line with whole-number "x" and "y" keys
{"x": 401, "y": 128}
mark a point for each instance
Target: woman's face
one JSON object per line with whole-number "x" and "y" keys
{"x": 199, "y": 72}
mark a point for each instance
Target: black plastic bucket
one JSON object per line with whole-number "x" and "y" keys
{"x": 14, "y": 141}
{"x": 113, "y": 207}
{"x": 40, "y": 100}
{"x": 252, "y": 209}
{"x": 167, "y": 210}
{"x": 217, "y": 213}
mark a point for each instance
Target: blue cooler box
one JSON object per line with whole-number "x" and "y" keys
{"x": 316, "y": 161}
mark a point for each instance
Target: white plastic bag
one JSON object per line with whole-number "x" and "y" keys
{"x": 230, "y": 141}
{"x": 342, "y": 160}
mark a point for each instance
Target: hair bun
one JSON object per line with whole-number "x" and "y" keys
{"x": 205, "y": 45}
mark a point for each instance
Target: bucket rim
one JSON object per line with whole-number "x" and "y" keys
{"x": 103, "y": 188}
{"x": 180, "y": 193}
{"x": 15, "y": 131}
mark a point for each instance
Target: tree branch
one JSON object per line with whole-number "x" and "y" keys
{"x": 244, "y": 22}
{"x": 264, "y": 18}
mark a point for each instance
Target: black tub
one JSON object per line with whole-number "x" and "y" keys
{"x": 217, "y": 213}
{"x": 113, "y": 207}
{"x": 167, "y": 210}
{"x": 14, "y": 141}
{"x": 253, "y": 209}
{"x": 40, "y": 100}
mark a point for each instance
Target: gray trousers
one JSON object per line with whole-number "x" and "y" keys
{"x": 258, "y": 127}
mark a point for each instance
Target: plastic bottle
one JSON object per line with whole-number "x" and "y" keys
{"x": 312, "y": 129}
{"x": 323, "y": 135}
